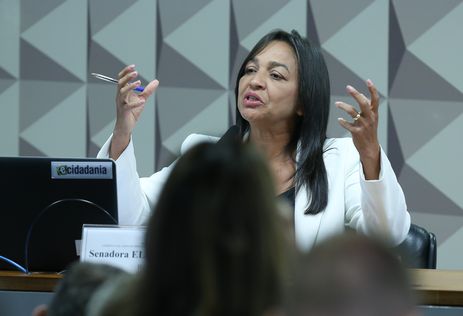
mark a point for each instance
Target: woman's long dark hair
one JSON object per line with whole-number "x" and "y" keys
{"x": 309, "y": 133}
{"x": 214, "y": 243}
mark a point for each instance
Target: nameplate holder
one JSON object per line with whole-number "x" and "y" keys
{"x": 120, "y": 246}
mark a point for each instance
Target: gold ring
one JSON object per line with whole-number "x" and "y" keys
{"x": 357, "y": 116}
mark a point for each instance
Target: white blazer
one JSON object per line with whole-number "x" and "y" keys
{"x": 375, "y": 207}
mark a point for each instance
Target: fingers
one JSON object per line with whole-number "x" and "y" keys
{"x": 125, "y": 80}
{"x": 361, "y": 99}
{"x": 130, "y": 87}
{"x": 125, "y": 71}
{"x": 348, "y": 125}
{"x": 374, "y": 96}
{"x": 149, "y": 89}
{"x": 349, "y": 109}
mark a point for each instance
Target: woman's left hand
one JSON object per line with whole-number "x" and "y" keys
{"x": 364, "y": 128}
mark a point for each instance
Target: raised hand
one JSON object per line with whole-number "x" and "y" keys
{"x": 129, "y": 106}
{"x": 364, "y": 128}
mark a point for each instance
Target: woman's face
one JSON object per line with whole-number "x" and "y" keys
{"x": 268, "y": 90}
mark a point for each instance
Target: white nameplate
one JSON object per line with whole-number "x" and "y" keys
{"x": 120, "y": 246}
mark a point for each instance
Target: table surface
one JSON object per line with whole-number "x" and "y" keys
{"x": 433, "y": 287}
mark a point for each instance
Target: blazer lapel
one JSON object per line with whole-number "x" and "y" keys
{"x": 306, "y": 226}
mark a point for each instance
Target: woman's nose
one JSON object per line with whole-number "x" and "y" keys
{"x": 257, "y": 82}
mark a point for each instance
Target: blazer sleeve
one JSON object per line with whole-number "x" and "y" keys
{"x": 136, "y": 196}
{"x": 375, "y": 207}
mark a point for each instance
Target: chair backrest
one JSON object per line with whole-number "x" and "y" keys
{"x": 419, "y": 249}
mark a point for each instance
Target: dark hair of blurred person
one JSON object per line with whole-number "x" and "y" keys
{"x": 117, "y": 297}
{"x": 350, "y": 275}
{"x": 214, "y": 244}
{"x": 74, "y": 291}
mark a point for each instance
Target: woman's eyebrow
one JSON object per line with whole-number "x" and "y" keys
{"x": 274, "y": 64}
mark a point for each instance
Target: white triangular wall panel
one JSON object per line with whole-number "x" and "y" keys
{"x": 61, "y": 132}
{"x": 131, "y": 38}
{"x": 62, "y": 35}
{"x": 362, "y": 45}
{"x": 441, "y": 47}
{"x": 203, "y": 39}
{"x": 296, "y": 9}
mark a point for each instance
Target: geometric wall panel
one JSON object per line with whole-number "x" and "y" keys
{"x": 444, "y": 171}
{"x": 60, "y": 131}
{"x": 207, "y": 26}
{"x": 415, "y": 17}
{"x": 367, "y": 50}
{"x": 296, "y": 9}
{"x": 447, "y": 62}
{"x": 136, "y": 27}
{"x": 65, "y": 44}
{"x": 202, "y": 124}
{"x": 435, "y": 115}
{"x": 172, "y": 17}
{"x": 245, "y": 12}
{"x": 9, "y": 121}
{"x": 345, "y": 12}
{"x": 9, "y": 37}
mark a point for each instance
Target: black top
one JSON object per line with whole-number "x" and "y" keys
{"x": 289, "y": 196}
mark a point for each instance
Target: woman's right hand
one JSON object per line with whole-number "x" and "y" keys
{"x": 129, "y": 106}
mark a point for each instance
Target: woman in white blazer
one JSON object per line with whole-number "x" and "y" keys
{"x": 282, "y": 101}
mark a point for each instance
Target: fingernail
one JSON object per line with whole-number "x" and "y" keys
{"x": 350, "y": 88}
{"x": 132, "y": 66}
{"x": 369, "y": 82}
{"x": 133, "y": 74}
{"x": 340, "y": 119}
{"x": 337, "y": 103}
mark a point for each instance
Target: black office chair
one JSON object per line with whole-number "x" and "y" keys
{"x": 419, "y": 249}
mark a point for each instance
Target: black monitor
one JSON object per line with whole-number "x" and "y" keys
{"x": 43, "y": 204}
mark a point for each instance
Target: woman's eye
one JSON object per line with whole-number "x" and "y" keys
{"x": 276, "y": 76}
{"x": 249, "y": 70}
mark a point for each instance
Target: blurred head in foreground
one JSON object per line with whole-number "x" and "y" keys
{"x": 214, "y": 243}
{"x": 350, "y": 275}
{"x": 74, "y": 291}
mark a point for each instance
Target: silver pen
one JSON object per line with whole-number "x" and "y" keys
{"x": 112, "y": 80}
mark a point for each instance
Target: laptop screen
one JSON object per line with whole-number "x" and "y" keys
{"x": 45, "y": 202}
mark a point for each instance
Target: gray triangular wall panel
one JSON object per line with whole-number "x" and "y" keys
{"x": 31, "y": 12}
{"x": 251, "y": 14}
{"x": 423, "y": 197}
{"x": 99, "y": 14}
{"x": 340, "y": 13}
{"x": 177, "y": 106}
{"x": 176, "y": 71}
{"x": 172, "y": 16}
{"x": 417, "y": 16}
{"x": 26, "y": 149}
{"x": 37, "y": 66}
{"x": 415, "y": 80}
{"x": 39, "y": 97}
